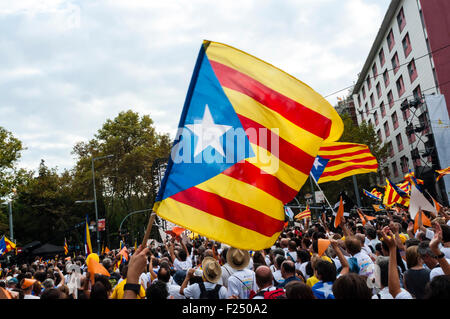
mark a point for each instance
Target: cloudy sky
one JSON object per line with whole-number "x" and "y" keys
{"x": 66, "y": 66}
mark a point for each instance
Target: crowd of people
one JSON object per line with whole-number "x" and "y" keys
{"x": 389, "y": 257}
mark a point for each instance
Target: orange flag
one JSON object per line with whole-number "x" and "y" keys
{"x": 322, "y": 245}
{"x": 339, "y": 214}
{"x": 94, "y": 267}
{"x": 361, "y": 215}
{"x": 436, "y": 205}
{"x": 425, "y": 221}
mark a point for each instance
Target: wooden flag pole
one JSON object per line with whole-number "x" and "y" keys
{"x": 149, "y": 228}
{"x": 317, "y": 184}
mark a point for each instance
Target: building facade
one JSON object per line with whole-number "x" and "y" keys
{"x": 408, "y": 60}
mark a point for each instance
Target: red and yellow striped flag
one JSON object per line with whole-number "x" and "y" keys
{"x": 240, "y": 202}
{"x": 345, "y": 159}
{"x": 442, "y": 172}
{"x": 304, "y": 214}
{"x": 394, "y": 195}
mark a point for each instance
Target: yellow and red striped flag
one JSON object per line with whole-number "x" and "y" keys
{"x": 337, "y": 160}
{"x": 264, "y": 129}
{"x": 442, "y": 172}
{"x": 304, "y": 214}
{"x": 66, "y": 247}
{"x": 394, "y": 195}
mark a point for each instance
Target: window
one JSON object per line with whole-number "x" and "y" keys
{"x": 411, "y": 138}
{"x": 372, "y": 101}
{"x": 400, "y": 86}
{"x": 404, "y": 163}
{"x": 390, "y": 40}
{"x": 378, "y": 90}
{"x": 386, "y": 129}
{"x": 366, "y": 109}
{"x": 386, "y": 171}
{"x": 406, "y": 112}
{"x": 374, "y": 70}
{"x": 390, "y": 99}
{"x": 375, "y": 116}
{"x": 383, "y": 110}
{"x": 369, "y": 83}
{"x": 395, "y": 63}
{"x": 379, "y": 135}
{"x": 424, "y": 122}
{"x": 412, "y": 71}
{"x": 401, "y": 20}
{"x": 399, "y": 140}
{"x": 417, "y": 93}
{"x": 364, "y": 92}
{"x": 359, "y": 100}
{"x": 381, "y": 57}
{"x": 406, "y": 45}
{"x": 395, "y": 169}
{"x": 395, "y": 120}
{"x": 390, "y": 149}
{"x": 386, "y": 78}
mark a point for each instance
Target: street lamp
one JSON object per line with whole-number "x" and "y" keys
{"x": 95, "y": 197}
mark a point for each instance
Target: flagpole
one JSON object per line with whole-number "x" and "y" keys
{"x": 355, "y": 185}
{"x": 317, "y": 184}
{"x": 149, "y": 228}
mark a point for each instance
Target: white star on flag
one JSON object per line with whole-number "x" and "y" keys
{"x": 317, "y": 163}
{"x": 209, "y": 133}
{"x": 326, "y": 289}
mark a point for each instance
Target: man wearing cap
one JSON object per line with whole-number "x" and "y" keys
{"x": 209, "y": 288}
{"x": 242, "y": 281}
{"x": 27, "y": 287}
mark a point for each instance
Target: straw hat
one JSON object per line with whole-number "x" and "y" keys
{"x": 211, "y": 270}
{"x": 237, "y": 258}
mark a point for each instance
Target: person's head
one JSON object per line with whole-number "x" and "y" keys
{"x": 12, "y": 283}
{"x": 298, "y": 290}
{"x": 48, "y": 283}
{"x": 412, "y": 242}
{"x": 438, "y": 288}
{"x": 353, "y": 245}
{"x": 303, "y": 256}
{"x": 426, "y": 254}
{"x": 264, "y": 277}
{"x": 107, "y": 263}
{"x": 287, "y": 269}
{"x": 40, "y": 275}
{"x": 284, "y": 242}
{"x": 51, "y": 293}
{"x": 370, "y": 232}
{"x": 279, "y": 259}
{"x": 325, "y": 271}
{"x": 99, "y": 291}
{"x": 157, "y": 291}
{"x": 351, "y": 286}
{"x": 258, "y": 258}
{"x": 164, "y": 274}
{"x": 383, "y": 263}
{"x": 292, "y": 246}
{"x": 238, "y": 259}
{"x": 412, "y": 257}
{"x": 182, "y": 255}
{"x": 361, "y": 238}
{"x": 212, "y": 272}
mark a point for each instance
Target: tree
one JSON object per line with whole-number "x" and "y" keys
{"x": 10, "y": 153}
{"x": 124, "y": 183}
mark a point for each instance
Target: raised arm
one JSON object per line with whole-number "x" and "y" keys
{"x": 393, "y": 277}
{"x": 434, "y": 247}
{"x": 345, "y": 266}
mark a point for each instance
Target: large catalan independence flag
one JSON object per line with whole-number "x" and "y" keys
{"x": 247, "y": 138}
{"x": 337, "y": 160}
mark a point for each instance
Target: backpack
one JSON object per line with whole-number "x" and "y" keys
{"x": 209, "y": 294}
{"x": 273, "y": 294}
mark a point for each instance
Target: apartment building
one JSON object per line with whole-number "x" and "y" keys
{"x": 409, "y": 59}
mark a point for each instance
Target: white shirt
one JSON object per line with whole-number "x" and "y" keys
{"x": 31, "y": 297}
{"x": 365, "y": 263}
{"x": 144, "y": 279}
{"x": 437, "y": 271}
{"x": 293, "y": 254}
{"x": 174, "y": 291}
{"x": 182, "y": 265}
{"x": 241, "y": 283}
{"x": 277, "y": 276}
{"x": 193, "y": 291}
{"x": 227, "y": 271}
{"x": 384, "y": 294}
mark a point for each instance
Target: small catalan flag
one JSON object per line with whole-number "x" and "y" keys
{"x": 304, "y": 214}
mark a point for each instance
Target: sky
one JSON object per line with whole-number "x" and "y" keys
{"x": 67, "y": 66}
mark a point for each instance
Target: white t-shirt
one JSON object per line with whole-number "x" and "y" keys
{"x": 293, "y": 254}
{"x": 144, "y": 279}
{"x": 365, "y": 263}
{"x": 277, "y": 276}
{"x": 445, "y": 250}
{"x": 182, "y": 265}
{"x": 193, "y": 291}
{"x": 31, "y": 297}
{"x": 384, "y": 294}
{"x": 437, "y": 271}
{"x": 227, "y": 271}
{"x": 174, "y": 291}
{"x": 241, "y": 283}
